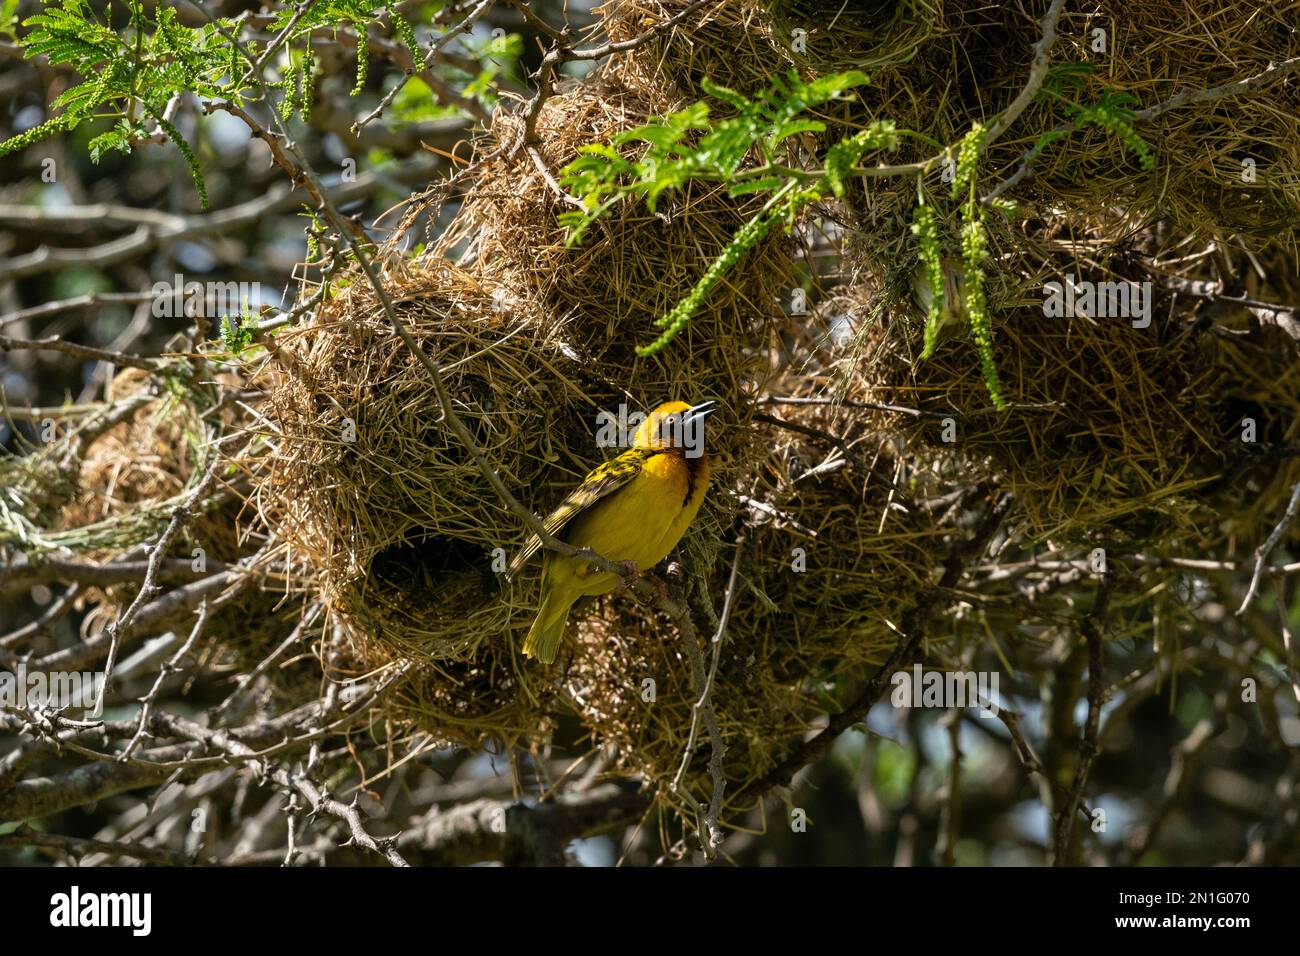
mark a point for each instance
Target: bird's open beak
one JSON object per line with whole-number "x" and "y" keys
{"x": 692, "y": 433}
{"x": 699, "y": 412}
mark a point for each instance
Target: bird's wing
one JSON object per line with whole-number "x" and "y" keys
{"x": 603, "y": 481}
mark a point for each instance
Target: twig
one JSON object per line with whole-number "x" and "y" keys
{"x": 279, "y": 39}
{"x": 1182, "y": 767}
{"x": 538, "y": 24}
{"x": 806, "y": 430}
{"x": 88, "y": 301}
{"x": 846, "y": 403}
{"x": 24, "y": 574}
{"x": 1270, "y": 74}
{"x": 175, "y": 602}
{"x": 171, "y": 666}
{"x": 1263, "y": 551}
{"x": 465, "y": 26}
{"x": 1037, "y": 74}
{"x": 1001, "y": 572}
{"x": 25, "y": 836}
{"x": 783, "y": 519}
{"x": 246, "y": 681}
{"x": 1288, "y": 642}
{"x": 1025, "y": 753}
{"x": 560, "y": 53}
{"x": 913, "y": 632}
{"x": 318, "y": 798}
{"x": 703, "y": 709}
{"x": 42, "y": 625}
{"x": 165, "y": 227}
{"x": 55, "y": 343}
{"x": 281, "y": 159}
{"x": 549, "y": 177}
{"x": 149, "y": 589}
{"x": 1092, "y": 628}
{"x": 950, "y": 809}
{"x": 532, "y": 834}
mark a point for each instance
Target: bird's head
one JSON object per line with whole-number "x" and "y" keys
{"x": 675, "y": 425}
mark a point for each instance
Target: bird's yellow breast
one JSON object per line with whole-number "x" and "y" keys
{"x": 640, "y": 522}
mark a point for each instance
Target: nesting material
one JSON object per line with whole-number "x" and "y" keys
{"x": 1225, "y": 171}
{"x": 369, "y": 488}
{"x": 130, "y": 475}
{"x": 603, "y": 297}
{"x": 732, "y": 44}
{"x": 1137, "y": 431}
{"x": 832, "y": 558}
{"x": 369, "y": 484}
{"x": 854, "y": 34}
{"x": 1116, "y": 431}
{"x": 146, "y": 458}
{"x": 484, "y": 701}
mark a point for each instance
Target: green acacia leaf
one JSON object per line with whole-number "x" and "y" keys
{"x": 726, "y": 94}
{"x": 795, "y": 128}
{"x": 114, "y": 139}
{"x": 749, "y": 186}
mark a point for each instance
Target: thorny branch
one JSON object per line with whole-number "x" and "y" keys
{"x": 1092, "y": 628}
{"x": 702, "y": 709}
{"x": 1265, "y": 549}
{"x": 912, "y": 631}
{"x": 150, "y": 588}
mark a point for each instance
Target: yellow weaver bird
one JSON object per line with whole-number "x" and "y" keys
{"x": 633, "y": 510}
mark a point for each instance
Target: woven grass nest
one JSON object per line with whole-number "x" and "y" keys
{"x": 730, "y": 43}
{"x": 936, "y": 66}
{"x": 368, "y": 484}
{"x": 397, "y": 528}
{"x": 971, "y": 60}
{"x": 131, "y": 470}
{"x": 602, "y": 297}
{"x": 1134, "y": 434}
{"x": 112, "y": 481}
{"x": 956, "y": 63}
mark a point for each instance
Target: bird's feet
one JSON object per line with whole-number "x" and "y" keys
{"x": 630, "y": 572}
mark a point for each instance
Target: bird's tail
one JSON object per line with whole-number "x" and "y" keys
{"x": 543, "y": 641}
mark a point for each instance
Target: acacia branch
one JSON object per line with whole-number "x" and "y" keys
{"x": 1089, "y": 747}
{"x": 22, "y": 575}
{"x": 1265, "y": 549}
{"x": 516, "y": 833}
{"x": 165, "y": 227}
{"x": 55, "y": 343}
{"x": 1038, "y": 69}
{"x": 170, "y": 666}
{"x": 25, "y": 836}
{"x": 412, "y": 69}
{"x": 702, "y": 709}
{"x": 912, "y": 629}
{"x": 560, "y": 53}
{"x": 168, "y": 607}
{"x": 1274, "y": 72}
{"x": 318, "y": 798}
{"x": 150, "y": 588}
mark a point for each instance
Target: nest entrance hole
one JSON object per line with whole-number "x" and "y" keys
{"x": 418, "y": 567}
